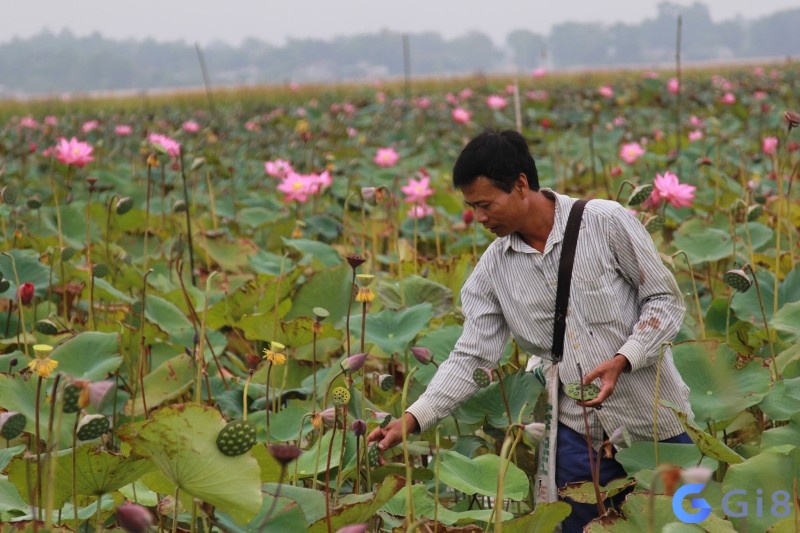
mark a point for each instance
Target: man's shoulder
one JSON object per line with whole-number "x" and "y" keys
{"x": 605, "y": 208}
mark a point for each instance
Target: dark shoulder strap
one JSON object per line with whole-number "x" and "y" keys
{"x": 565, "y": 277}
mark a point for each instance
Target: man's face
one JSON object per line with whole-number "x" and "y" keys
{"x": 498, "y": 211}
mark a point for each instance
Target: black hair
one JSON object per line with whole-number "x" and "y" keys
{"x": 501, "y": 156}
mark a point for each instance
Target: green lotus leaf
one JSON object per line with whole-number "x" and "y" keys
{"x": 788, "y": 319}
{"x": 355, "y": 509}
{"x": 479, "y": 475}
{"x": 641, "y": 455}
{"x": 583, "y": 491}
{"x": 522, "y": 390}
{"x": 10, "y": 499}
{"x": 771, "y": 471}
{"x": 718, "y": 389}
{"x": 181, "y": 441}
{"x": 425, "y": 507}
{"x": 783, "y": 399}
{"x": 19, "y": 395}
{"x": 307, "y": 464}
{"x": 324, "y": 253}
{"x": 330, "y": 288}
{"x": 415, "y": 290}
{"x": 72, "y": 355}
{"x": 168, "y": 381}
{"x": 29, "y": 270}
{"x": 779, "y": 436}
{"x": 393, "y": 331}
{"x": 746, "y": 304}
{"x": 545, "y": 517}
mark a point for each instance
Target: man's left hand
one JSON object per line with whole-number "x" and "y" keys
{"x": 608, "y": 372}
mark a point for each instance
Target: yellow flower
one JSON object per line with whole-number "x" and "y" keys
{"x": 43, "y": 367}
{"x": 365, "y": 294}
{"x": 274, "y": 354}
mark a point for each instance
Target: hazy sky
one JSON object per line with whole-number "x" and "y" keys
{"x": 273, "y": 21}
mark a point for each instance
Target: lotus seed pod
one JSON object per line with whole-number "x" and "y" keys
{"x": 320, "y": 313}
{"x": 92, "y": 426}
{"x": 754, "y": 211}
{"x": 236, "y": 438}
{"x": 738, "y": 210}
{"x": 737, "y": 279}
{"x": 67, "y": 253}
{"x": 179, "y": 206}
{"x": 374, "y": 455}
{"x": 482, "y": 376}
{"x": 640, "y": 194}
{"x": 12, "y": 424}
{"x": 4, "y": 285}
{"x": 34, "y": 202}
{"x": 386, "y": 382}
{"x": 72, "y": 393}
{"x": 654, "y": 224}
{"x": 124, "y": 205}
{"x": 341, "y": 396}
{"x": 100, "y": 270}
{"x": 45, "y": 326}
{"x": 573, "y": 390}
{"x": 9, "y": 194}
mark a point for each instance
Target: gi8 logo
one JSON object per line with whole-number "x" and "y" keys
{"x": 780, "y": 507}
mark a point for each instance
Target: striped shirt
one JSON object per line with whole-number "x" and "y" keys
{"x": 623, "y": 300}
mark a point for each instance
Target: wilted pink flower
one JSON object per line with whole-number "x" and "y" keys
{"x": 417, "y": 191}
{"x": 296, "y": 187}
{"x": 673, "y": 85}
{"x": 123, "y": 130}
{"x": 461, "y": 115}
{"x": 73, "y": 152}
{"x": 695, "y": 135}
{"x": 669, "y": 189}
{"x": 278, "y": 168}
{"x": 539, "y": 72}
{"x": 190, "y": 126}
{"x": 420, "y": 211}
{"x": 171, "y": 146}
{"x": 728, "y": 98}
{"x": 769, "y": 145}
{"x": 496, "y": 102}
{"x": 386, "y": 157}
{"x": 89, "y": 125}
{"x": 630, "y": 152}
{"x": 605, "y": 91}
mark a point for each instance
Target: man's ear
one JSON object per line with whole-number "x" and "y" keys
{"x": 522, "y": 183}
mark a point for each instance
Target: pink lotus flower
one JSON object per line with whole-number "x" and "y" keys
{"x": 696, "y": 122}
{"x": 728, "y": 98}
{"x": 452, "y": 99}
{"x": 73, "y": 152}
{"x": 386, "y": 157}
{"x": 420, "y": 211}
{"x": 50, "y": 120}
{"x": 422, "y": 102}
{"x": 539, "y": 72}
{"x": 351, "y": 132}
{"x": 319, "y": 182}
{"x": 278, "y": 168}
{"x": 296, "y": 187}
{"x": 538, "y": 96}
{"x": 28, "y": 122}
{"x": 759, "y": 95}
{"x": 190, "y": 126}
{"x": 769, "y": 145}
{"x": 673, "y": 86}
{"x": 417, "y": 191}
{"x": 465, "y": 93}
{"x": 123, "y": 129}
{"x": 461, "y": 115}
{"x": 251, "y": 125}
{"x": 630, "y": 152}
{"x": 171, "y": 146}
{"x": 89, "y": 126}
{"x": 496, "y": 102}
{"x": 605, "y": 91}
{"x": 695, "y": 135}
{"x": 669, "y": 189}
{"x": 619, "y": 121}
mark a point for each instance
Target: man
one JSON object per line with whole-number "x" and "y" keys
{"x": 624, "y": 304}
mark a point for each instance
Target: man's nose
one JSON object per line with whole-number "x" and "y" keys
{"x": 481, "y": 216}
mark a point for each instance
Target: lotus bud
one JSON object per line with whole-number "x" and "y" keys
{"x": 533, "y": 433}
{"x": 328, "y": 417}
{"x": 284, "y": 453}
{"x": 620, "y": 438}
{"x": 482, "y": 376}
{"x": 134, "y": 518}
{"x": 696, "y": 474}
{"x": 359, "y": 427}
{"x": 792, "y": 119}
{"x": 97, "y": 394}
{"x": 737, "y": 279}
{"x": 26, "y": 293}
{"x": 369, "y": 195}
{"x": 353, "y": 363}
{"x": 422, "y": 354}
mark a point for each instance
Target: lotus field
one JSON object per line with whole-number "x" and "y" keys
{"x": 208, "y": 302}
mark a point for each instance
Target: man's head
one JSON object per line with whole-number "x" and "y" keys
{"x": 499, "y": 156}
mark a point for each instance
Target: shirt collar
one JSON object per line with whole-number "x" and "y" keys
{"x": 563, "y": 204}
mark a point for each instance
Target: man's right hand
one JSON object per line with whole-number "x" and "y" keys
{"x": 392, "y": 434}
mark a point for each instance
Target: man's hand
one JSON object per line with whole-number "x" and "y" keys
{"x": 393, "y": 432}
{"x": 608, "y": 372}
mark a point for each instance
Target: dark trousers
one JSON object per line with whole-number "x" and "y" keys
{"x": 572, "y": 464}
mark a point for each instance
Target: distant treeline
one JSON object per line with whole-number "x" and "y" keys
{"x": 56, "y": 63}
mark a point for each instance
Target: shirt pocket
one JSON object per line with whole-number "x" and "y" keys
{"x": 595, "y": 299}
